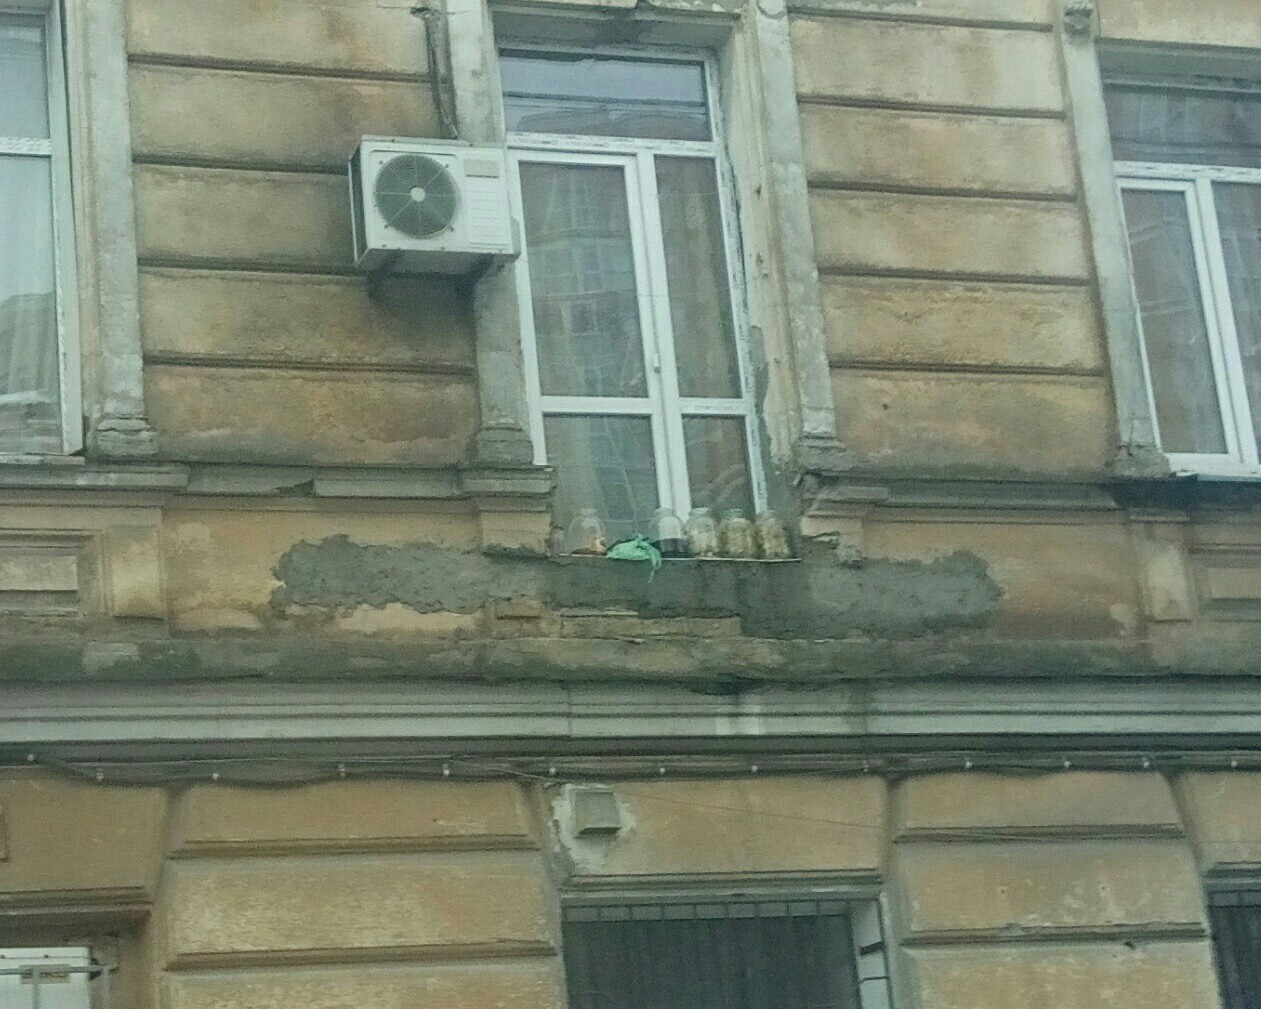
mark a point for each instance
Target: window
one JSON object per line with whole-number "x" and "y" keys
{"x": 1188, "y": 156}
{"x": 50, "y": 978}
{"x": 635, "y": 349}
{"x": 1235, "y": 917}
{"x": 38, "y": 378}
{"x": 713, "y": 953}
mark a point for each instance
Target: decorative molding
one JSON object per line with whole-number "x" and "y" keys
{"x": 1139, "y": 453}
{"x": 252, "y": 848}
{"x": 120, "y": 436}
{"x": 471, "y": 64}
{"x": 1079, "y": 17}
{"x": 102, "y": 905}
{"x": 837, "y": 884}
{"x": 1139, "y": 461}
{"x": 987, "y": 834}
{"x": 238, "y": 721}
{"x": 119, "y": 427}
{"x": 795, "y": 308}
{"x": 1141, "y": 932}
{"x": 428, "y": 953}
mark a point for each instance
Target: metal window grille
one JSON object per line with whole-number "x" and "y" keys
{"x": 714, "y": 954}
{"x": 52, "y": 978}
{"x": 1235, "y": 916}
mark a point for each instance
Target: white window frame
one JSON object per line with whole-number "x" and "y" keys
{"x": 50, "y": 977}
{"x": 1195, "y": 182}
{"x": 56, "y": 150}
{"x": 664, "y": 406}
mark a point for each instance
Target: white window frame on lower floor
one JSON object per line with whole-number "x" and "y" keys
{"x": 56, "y": 150}
{"x": 1196, "y": 182}
{"x": 52, "y": 977}
{"x": 664, "y": 405}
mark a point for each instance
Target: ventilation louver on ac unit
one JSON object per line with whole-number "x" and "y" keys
{"x": 429, "y": 206}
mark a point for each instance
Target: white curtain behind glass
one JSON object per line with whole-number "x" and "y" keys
{"x": 1179, "y": 358}
{"x": 1239, "y": 219}
{"x": 29, "y": 367}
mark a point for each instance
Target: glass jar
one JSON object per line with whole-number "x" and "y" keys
{"x": 702, "y": 533}
{"x": 667, "y": 533}
{"x": 772, "y": 537}
{"x": 585, "y": 534}
{"x": 735, "y": 535}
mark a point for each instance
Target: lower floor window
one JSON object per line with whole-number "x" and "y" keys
{"x": 1235, "y": 915}
{"x": 725, "y": 954}
{"x": 61, "y": 977}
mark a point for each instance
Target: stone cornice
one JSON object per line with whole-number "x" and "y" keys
{"x": 245, "y": 480}
{"x": 866, "y": 721}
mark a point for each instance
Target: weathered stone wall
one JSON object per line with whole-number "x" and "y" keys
{"x": 963, "y": 334}
{"x": 262, "y": 344}
{"x": 1221, "y": 23}
{"x": 1004, "y": 891}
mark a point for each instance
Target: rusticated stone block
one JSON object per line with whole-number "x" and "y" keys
{"x": 192, "y": 113}
{"x": 65, "y": 836}
{"x": 990, "y": 888}
{"x": 961, "y": 324}
{"x": 941, "y": 422}
{"x": 221, "y": 315}
{"x": 276, "y": 416}
{"x": 928, "y": 64}
{"x": 1070, "y": 801}
{"x": 1223, "y": 813}
{"x": 351, "y": 36}
{"x": 298, "y": 906}
{"x": 1168, "y": 975}
{"x": 351, "y": 814}
{"x": 948, "y": 234}
{"x": 1221, "y": 23}
{"x": 292, "y": 219}
{"x": 517, "y": 985}
{"x": 948, "y": 151}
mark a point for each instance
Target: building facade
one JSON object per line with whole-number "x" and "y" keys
{"x": 308, "y": 700}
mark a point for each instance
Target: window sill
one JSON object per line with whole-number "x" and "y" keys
{"x": 566, "y": 558}
{"x": 1185, "y": 490}
{"x": 32, "y": 472}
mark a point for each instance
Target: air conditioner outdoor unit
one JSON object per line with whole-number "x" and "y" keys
{"x": 429, "y": 206}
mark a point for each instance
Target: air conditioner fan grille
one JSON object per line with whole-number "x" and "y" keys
{"x": 416, "y": 195}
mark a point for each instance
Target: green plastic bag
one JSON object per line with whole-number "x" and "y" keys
{"x": 637, "y": 549}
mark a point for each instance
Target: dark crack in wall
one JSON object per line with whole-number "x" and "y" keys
{"x": 818, "y": 597}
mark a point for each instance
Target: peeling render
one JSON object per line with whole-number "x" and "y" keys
{"x": 821, "y": 597}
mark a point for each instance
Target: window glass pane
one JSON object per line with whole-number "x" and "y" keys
{"x": 642, "y": 962}
{"x": 1185, "y": 127}
{"x": 718, "y": 464}
{"x": 23, "y": 77}
{"x": 1239, "y": 219}
{"x": 696, "y": 272}
{"x": 29, "y": 368}
{"x": 582, "y": 281}
{"x": 605, "y": 463}
{"x": 1237, "y": 941}
{"x": 604, "y": 96}
{"x": 1172, "y": 313}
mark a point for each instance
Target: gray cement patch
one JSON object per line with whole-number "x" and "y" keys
{"x": 820, "y": 597}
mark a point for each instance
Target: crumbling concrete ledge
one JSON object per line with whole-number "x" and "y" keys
{"x": 713, "y": 664}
